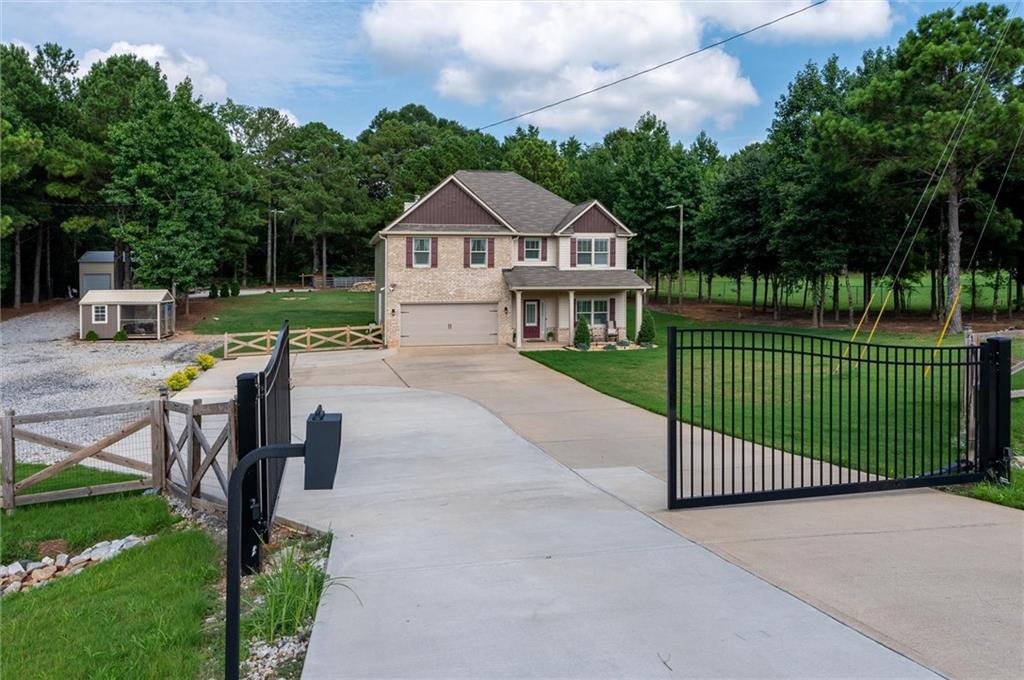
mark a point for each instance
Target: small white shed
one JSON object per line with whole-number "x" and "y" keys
{"x": 140, "y": 313}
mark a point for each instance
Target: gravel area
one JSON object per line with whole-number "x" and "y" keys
{"x": 44, "y": 367}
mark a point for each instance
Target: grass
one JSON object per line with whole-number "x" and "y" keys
{"x": 1010, "y": 495}
{"x": 138, "y": 615}
{"x": 71, "y": 478}
{"x": 639, "y": 378}
{"x": 290, "y": 594}
{"x": 256, "y": 313}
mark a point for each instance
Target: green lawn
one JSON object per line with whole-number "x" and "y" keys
{"x": 303, "y": 309}
{"x": 822, "y": 396}
{"x": 139, "y": 615}
{"x": 71, "y": 478}
{"x": 1011, "y": 495}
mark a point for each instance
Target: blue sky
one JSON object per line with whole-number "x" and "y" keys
{"x": 479, "y": 62}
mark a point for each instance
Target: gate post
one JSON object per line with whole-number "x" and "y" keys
{"x": 248, "y": 440}
{"x": 671, "y": 417}
{"x": 994, "y": 408}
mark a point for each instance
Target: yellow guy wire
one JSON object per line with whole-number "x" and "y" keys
{"x": 863, "y": 317}
{"x": 874, "y": 326}
{"x": 945, "y": 327}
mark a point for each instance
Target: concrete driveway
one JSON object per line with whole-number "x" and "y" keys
{"x": 937, "y": 577}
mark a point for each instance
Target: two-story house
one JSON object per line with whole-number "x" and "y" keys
{"x": 489, "y": 257}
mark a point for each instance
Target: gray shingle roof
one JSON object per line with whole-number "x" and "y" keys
{"x": 551, "y": 277}
{"x": 455, "y": 229}
{"x": 528, "y": 207}
{"x": 97, "y": 256}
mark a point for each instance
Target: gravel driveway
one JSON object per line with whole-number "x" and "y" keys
{"x": 44, "y": 367}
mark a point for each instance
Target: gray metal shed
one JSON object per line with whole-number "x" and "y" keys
{"x": 96, "y": 271}
{"x": 140, "y": 313}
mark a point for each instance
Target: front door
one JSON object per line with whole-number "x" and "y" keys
{"x": 531, "y": 319}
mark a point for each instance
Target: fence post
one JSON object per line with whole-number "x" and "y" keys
{"x": 158, "y": 440}
{"x": 7, "y": 457}
{"x": 195, "y": 451}
{"x": 225, "y": 345}
{"x": 248, "y": 440}
{"x": 994, "y": 408}
{"x": 671, "y": 417}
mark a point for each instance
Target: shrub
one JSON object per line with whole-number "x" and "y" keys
{"x": 646, "y": 332}
{"x": 120, "y": 336}
{"x": 213, "y": 290}
{"x": 582, "y": 335}
{"x": 550, "y": 336}
{"x": 205, "y": 361}
{"x": 177, "y": 381}
{"x": 91, "y": 336}
{"x": 623, "y": 342}
{"x": 610, "y": 347}
{"x": 191, "y": 372}
{"x": 235, "y": 288}
{"x": 225, "y": 290}
{"x": 582, "y": 346}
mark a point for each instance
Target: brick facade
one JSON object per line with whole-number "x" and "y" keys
{"x": 449, "y": 281}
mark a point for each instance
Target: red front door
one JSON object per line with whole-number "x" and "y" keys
{"x": 531, "y": 319}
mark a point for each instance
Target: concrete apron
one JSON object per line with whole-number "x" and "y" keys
{"x": 475, "y": 554}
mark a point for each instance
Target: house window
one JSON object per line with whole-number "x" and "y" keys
{"x": 594, "y": 312}
{"x": 592, "y": 252}
{"x": 478, "y": 252}
{"x": 421, "y": 252}
{"x": 99, "y": 313}
{"x": 531, "y": 249}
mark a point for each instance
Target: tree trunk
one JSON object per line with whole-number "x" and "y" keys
{"x": 753, "y": 295}
{"x": 995, "y": 293}
{"x": 974, "y": 291}
{"x": 807, "y": 284}
{"x": 700, "y": 286}
{"x": 867, "y": 289}
{"x": 657, "y": 285}
{"x": 849, "y": 296}
{"x": 17, "y": 269}
{"x": 739, "y": 307}
{"x": 245, "y": 269}
{"x": 933, "y": 308}
{"x": 37, "y": 270}
{"x": 270, "y": 249}
{"x": 49, "y": 266}
{"x": 1009, "y": 295}
{"x": 835, "y": 296}
{"x": 711, "y": 279}
{"x": 316, "y": 261}
{"x": 764, "y": 295}
{"x": 775, "y": 298}
{"x": 956, "y": 325}
{"x": 323, "y": 258}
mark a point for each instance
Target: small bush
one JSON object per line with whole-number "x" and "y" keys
{"x": 582, "y": 346}
{"x": 213, "y": 290}
{"x": 646, "y": 332}
{"x": 91, "y": 336}
{"x": 205, "y": 361}
{"x": 550, "y": 336}
{"x": 177, "y": 381}
{"x": 225, "y": 290}
{"x": 582, "y": 335}
{"x": 120, "y": 336}
{"x": 191, "y": 372}
{"x": 623, "y": 343}
{"x": 610, "y": 347}
{"x": 289, "y": 596}
{"x": 235, "y": 288}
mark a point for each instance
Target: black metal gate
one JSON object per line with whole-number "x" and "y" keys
{"x": 264, "y": 417}
{"x": 757, "y": 415}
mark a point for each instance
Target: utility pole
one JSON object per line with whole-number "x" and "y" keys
{"x": 681, "y": 219}
{"x": 273, "y": 276}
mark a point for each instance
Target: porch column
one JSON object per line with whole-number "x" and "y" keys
{"x": 639, "y": 311}
{"x": 159, "y": 311}
{"x": 572, "y": 317}
{"x": 519, "y": 319}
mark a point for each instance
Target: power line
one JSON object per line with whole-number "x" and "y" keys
{"x": 653, "y": 68}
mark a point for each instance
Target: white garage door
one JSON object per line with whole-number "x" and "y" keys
{"x": 451, "y": 324}
{"x": 95, "y": 282}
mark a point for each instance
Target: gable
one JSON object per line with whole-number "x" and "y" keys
{"x": 594, "y": 221}
{"x": 450, "y": 205}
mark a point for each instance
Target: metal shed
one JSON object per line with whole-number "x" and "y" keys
{"x": 141, "y": 313}
{"x": 96, "y": 271}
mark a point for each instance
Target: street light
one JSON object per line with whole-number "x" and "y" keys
{"x": 321, "y": 451}
{"x": 671, "y": 207}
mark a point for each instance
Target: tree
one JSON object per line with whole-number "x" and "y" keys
{"x": 536, "y": 160}
{"x": 905, "y": 114}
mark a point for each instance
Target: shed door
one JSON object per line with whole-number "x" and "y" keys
{"x": 450, "y": 324}
{"x": 94, "y": 282}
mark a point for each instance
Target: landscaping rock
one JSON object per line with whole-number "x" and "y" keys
{"x": 15, "y": 568}
{"x": 79, "y": 559}
{"x": 44, "y": 573}
{"x": 3, "y": 571}
{"x": 61, "y": 561}
{"x": 12, "y": 587}
{"x": 32, "y": 566}
{"x": 47, "y": 561}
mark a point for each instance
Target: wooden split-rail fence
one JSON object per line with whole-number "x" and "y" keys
{"x": 308, "y": 340}
{"x": 190, "y": 450}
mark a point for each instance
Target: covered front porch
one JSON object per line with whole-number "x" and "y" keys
{"x": 548, "y": 314}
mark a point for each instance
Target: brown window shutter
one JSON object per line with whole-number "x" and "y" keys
{"x": 465, "y": 252}
{"x": 408, "y": 251}
{"x": 612, "y": 247}
{"x": 544, "y": 249}
{"x": 522, "y": 248}
{"x": 433, "y": 252}
{"x": 611, "y": 310}
{"x": 490, "y": 252}
{"x": 572, "y": 252}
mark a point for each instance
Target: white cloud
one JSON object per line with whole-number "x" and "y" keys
{"x": 292, "y": 118}
{"x": 176, "y": 67}
{"x": 525, "y": 54}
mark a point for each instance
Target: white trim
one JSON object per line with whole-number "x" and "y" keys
{"x": 81, "y": 322}
{"x": 526, "y": 248}
{"x": 106, "y": 314}
{"x": 430, "y": 252}
{"x": 606, "y": 211}
{"x": 590, "y": 320}
{"x": 450, "y": 178}
{"x": 565, "y": 288}
{"x": 593, "y": 252}
{"x": 487, "y": 253}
